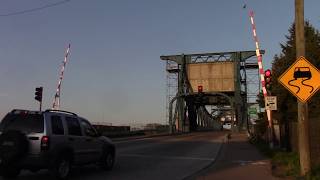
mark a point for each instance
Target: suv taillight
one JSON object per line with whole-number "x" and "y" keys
{"x": 45, "y": 143}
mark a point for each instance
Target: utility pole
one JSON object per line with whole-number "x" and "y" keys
{"x": 303, "y": 119}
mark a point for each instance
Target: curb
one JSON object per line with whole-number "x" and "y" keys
{"x": 223, "y": 142}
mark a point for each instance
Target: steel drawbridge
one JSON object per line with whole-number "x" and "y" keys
{"x": 226, "y": 99}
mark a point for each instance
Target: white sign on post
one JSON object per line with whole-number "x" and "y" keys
{"x": 271, "y": 103}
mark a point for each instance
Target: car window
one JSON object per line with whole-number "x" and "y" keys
{"x": 73, "y": 126}
{"x": 57, "y": 126}
{"x": 24, "y": 121}
{"x": 88, "y": 129}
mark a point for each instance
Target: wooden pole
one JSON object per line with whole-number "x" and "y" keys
{"x": 303, "y": 120}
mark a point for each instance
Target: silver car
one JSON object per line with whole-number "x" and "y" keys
{"x": 51, "y": 139}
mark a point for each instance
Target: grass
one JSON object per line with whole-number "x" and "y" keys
{"x": 315, "y": 173}
{"x": 284, "y": 164}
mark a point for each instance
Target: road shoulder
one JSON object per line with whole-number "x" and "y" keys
{"x": 238, "y": 159}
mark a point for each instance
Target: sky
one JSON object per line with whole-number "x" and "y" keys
{"x": 114, "y": 73}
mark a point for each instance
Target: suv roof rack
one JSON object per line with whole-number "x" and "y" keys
{"x": 55, "y": 110}
{"x": 14, "y": 111}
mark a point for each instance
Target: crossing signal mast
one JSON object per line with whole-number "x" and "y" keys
{"x": 56, "y": 101}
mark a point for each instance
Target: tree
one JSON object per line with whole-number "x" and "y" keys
{"x": 287, "y": 103}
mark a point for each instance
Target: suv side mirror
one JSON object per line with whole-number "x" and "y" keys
{"x": 91, "y": 133}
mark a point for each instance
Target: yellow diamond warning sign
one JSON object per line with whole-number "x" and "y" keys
{"x": 302, "y": 79}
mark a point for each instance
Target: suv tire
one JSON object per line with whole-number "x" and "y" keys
{"x": 61, "y": 167}
{"x": 9, "y": 172}
{"x": 13, "y": 147}
{"x": 107, "y": 160}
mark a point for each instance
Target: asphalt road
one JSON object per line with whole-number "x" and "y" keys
{"x": 167, "y": 157}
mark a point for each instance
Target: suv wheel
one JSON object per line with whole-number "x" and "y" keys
{"x": 10, "y": 172}
{"x": 61, "y": 168}
{"x": 107, "y": 160}
{"x": 13, "y": 147}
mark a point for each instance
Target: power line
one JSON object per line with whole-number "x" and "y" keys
{"x": 34, "y": 9}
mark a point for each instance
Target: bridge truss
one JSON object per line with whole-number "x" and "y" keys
{"x": 190, "y": 111}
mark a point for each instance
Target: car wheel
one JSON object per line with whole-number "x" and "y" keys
{"x": 107, "y": 160}
{"x": 61, "y": 168}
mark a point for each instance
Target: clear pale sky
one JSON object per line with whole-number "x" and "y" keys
{"x": 114, "y": 73}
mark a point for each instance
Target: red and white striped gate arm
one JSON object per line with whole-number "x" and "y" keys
{"x": 56, "y": 101}
{"x": 259, "y": 57}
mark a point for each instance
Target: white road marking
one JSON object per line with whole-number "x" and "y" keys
{"x": 259, "y": 163}
{"x": 167, "y": 157}
{"x": 244, "y": 163}
{"x": 131, "y": 140}
{"x": 165, "y": 138}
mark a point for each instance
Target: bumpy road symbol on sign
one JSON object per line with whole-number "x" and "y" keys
{"x": 303, "y": 73}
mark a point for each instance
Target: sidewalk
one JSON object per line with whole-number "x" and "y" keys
{"x": 238, "y": 160}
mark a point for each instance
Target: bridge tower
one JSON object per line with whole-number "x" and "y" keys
{"x": 172, "y": 70}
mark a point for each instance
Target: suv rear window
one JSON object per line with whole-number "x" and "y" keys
{"x": 25, "y": 122}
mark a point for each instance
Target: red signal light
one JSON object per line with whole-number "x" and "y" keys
{"x": 268, "y": 79}
{"x": 267, "y": 73}
{"x": 200, "y": 89}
